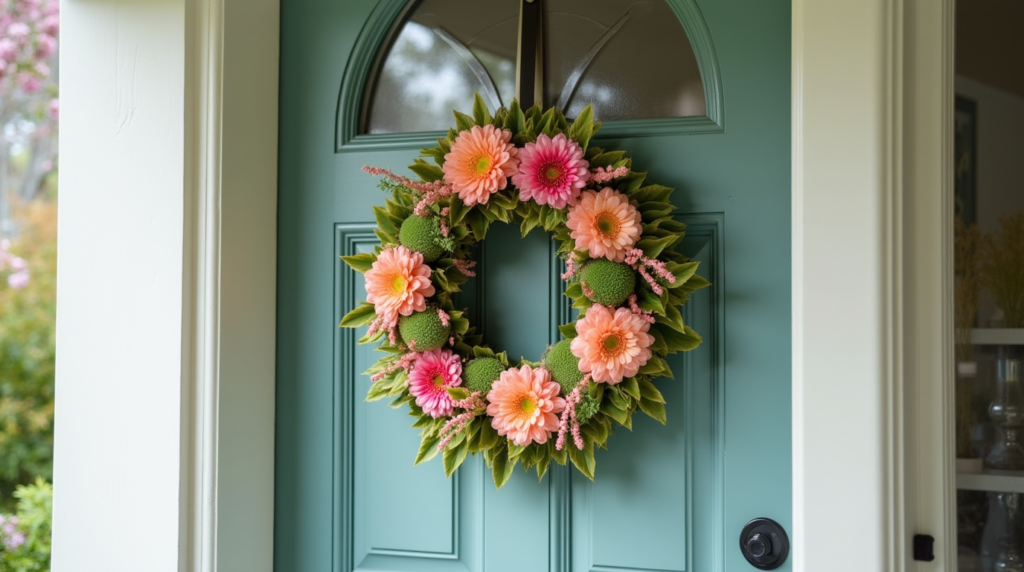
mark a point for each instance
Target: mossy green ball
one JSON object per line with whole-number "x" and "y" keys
{"x": 423, "y": 331}
{"x": 564, "y": 366}
{"x": 481, "y": 373}
{"x": 611, "y": 283}
{"x": 420, "y": 235}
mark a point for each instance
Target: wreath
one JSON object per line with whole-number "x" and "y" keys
{"x": 618, "y": 239}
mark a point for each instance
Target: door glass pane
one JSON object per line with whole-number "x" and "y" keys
{"x": 989, "y": 286}
{"x": 631, "y": 59}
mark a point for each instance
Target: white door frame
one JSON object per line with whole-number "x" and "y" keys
{"x": 165, "y": 384}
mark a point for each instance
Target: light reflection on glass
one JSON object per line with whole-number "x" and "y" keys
{"x": 631, "y": 59}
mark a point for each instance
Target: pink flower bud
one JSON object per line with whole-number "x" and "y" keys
{"x": 50, "y": 24}
{"x": 29, "y": 82}
{"x": 8, "y": 49}
{"x": 53, "y": 109}
{"x": 45, "y": 45}
{"x": 18, "y": 30}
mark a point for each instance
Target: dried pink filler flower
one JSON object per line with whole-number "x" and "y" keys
{"x": 434, "y": 372}
{"x": 398, "y": 283}
{"x": 524, "y": 404}
{"x": 551, "y": 171}
{"x": 605, "y": 224}
{"x": 612, "y": 344}
{"x": 480, "y": 163}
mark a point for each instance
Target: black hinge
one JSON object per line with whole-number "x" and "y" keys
{"x": 924, "y": 547}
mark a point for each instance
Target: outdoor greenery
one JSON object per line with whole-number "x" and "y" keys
{"x": 29, "y": 110}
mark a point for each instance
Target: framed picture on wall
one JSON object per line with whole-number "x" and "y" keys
{"x": 966, "y": 162}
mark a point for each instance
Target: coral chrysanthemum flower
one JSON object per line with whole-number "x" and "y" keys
{"x": 398, "y": 283}
{"x": 433, "y": 373}
{"x": 552, "y": 171}
{"x": 480, "y": 163}
{"x": 524, "y": 404}
{"x": 612, "y": 344}
{"x": 605, "y": 224}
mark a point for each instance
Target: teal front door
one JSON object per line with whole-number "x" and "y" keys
{"x": 698, "y": 93}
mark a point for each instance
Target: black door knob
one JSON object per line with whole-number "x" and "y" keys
{"x": 764, "y": 544}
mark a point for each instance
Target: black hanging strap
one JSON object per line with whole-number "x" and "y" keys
{"x": 530, "y": 77}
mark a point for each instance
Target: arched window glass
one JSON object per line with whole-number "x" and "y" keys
{"x": 631, "y": 59}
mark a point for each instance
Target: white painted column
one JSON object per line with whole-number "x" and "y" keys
{"x": 120, "y": 287}
{"x": 166, "y": 286}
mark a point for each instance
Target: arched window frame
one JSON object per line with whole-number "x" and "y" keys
{"x": 369, "y": 51}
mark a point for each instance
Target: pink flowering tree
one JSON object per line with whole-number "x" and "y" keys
{"x": 28, "y": 100}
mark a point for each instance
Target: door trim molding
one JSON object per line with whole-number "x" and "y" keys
{"x": 868, "y": 212}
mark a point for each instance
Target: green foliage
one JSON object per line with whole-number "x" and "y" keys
{"x": 27, "y": 353}
{"x": 25, "y": 535}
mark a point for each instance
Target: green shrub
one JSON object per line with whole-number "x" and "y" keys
{"x": 25, "y": 536}
{"x": 27, "y": 353}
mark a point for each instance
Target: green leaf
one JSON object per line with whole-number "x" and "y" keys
{"x": 630, "y": 387}
{"x": 458, "y": 210}
{"x": 361, "y": 315}
{"x": 487, "y": 438}
{"x": 458, "y": 393}
{"x": 501, "y": 467}
{"x": 652, "y": 247}
{"x": 453, "y": 457}
{"x": 651, "y": 302}
{"x": 652, "y": 193}
{"x": 480, "y": 114}
{"x": 568, "y": 330}
{"x": 655, "y": 366}
{"x": 583, "y": 128}
{"x": 654, "y": 410}
{"x": 583, "y": 460}
{"x": 672, "y": 318}
{"x": 619, "y": 415}
{"x": 428, "y": 449}
{"x": 427, "y": 171}
{"x": 383, "y": 221}
{"x": 516, "y": 119}
{"x": 478, "y": 224}
{"x": 482, "y": 351}
{"x": 360, "y": 262}
{"x": 528, "y": 224}
{"x": 679, "y": 342}
{"x": 649, "y": 392}
{"x": 463, "y": 122}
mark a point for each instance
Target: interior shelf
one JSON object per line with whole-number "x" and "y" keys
{"x": 996, "y": 481}
{"x": 997, "y": 336}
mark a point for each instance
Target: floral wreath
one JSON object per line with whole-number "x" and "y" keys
{"x": 617, "y": 237}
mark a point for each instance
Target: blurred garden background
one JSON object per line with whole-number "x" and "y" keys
{"x": 29, "y": 110}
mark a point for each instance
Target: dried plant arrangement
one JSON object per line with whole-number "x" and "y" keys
{"x": 966, "y": 292}
{"x": 1002, "y": 268}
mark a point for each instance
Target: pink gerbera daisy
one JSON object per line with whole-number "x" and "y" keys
{"x": 398, "y": 283}
{"x": 431, "y": 376}
{"x": 524, "y": 404}
{"x": 605, "y": 224}
{"x": 612, "y": 344}
{"x": 480, "y": 163}
{"x": 552, "y": 171}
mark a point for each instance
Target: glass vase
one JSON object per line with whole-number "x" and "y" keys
{"x": 1007, "y": 413}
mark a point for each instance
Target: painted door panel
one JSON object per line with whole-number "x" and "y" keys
{"x": 666, "y": 497}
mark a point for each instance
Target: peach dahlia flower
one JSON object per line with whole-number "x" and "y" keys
{"x": 398, "y": 283}
{"x": 605, "y": 224}
{"x": 612, "y": 344}
{"x": 524, "y": 404}
{"x": 480, "y": 163}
